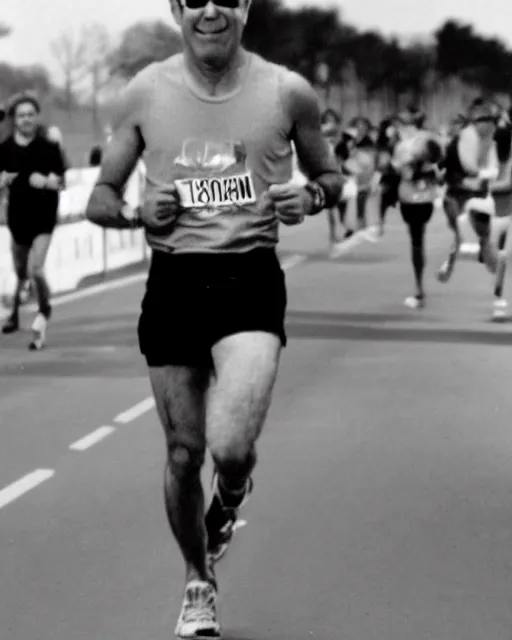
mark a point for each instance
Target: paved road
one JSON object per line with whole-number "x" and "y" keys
{"x": 382, "y": 507}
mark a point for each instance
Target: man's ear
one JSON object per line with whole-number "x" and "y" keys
{"x": 176, "y": 10}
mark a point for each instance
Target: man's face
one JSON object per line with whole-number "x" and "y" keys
{"x": 212, "y": 32}
{"x": 486, "y": 127}
{"x": 362, "y": 129}
{"x": 26, "y": 119}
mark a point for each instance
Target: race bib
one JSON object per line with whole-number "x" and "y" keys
{"x": 198, "y": 193}
{"x": 419, "y": 192}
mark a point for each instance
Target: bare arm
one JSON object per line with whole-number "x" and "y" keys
{"x": 106, "y": 202}
{"x": 315, "y": 157}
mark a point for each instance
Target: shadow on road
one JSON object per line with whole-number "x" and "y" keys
{"x": 358, "y": 326}
{"x": 242, "y": 636}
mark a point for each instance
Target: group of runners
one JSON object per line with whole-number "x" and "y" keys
{"x": 464, "y": 171}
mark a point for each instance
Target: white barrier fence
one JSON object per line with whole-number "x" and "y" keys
{"x": 78, "y": 250}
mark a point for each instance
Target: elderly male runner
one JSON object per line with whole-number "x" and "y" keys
{"x": 215, "y": 125}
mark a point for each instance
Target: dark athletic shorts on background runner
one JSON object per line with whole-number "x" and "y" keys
{"x": 194, "y": 300}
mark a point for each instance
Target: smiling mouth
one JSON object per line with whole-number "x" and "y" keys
{"x": 212, "y": 33}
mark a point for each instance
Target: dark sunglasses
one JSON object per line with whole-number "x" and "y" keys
{"x": 201, "y": 4}
{"x": 484, "y": 119}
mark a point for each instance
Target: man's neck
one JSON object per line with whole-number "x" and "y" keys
{"x": 216, "y": 81}
{"x": 21, "y": 139}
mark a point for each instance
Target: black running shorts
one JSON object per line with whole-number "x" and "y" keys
{"x": 194, "y": 300}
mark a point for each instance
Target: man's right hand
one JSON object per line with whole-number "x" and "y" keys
{"x": 160, "y": 210}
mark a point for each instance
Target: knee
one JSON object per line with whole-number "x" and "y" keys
{"x": 20, "y": 269}
{"x": 234, "y": 459}
{"x": 185, "y": 460}
{"x": 21, "y": 272}
{"x": 35, "y": 270}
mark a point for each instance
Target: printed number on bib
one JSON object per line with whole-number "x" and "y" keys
{"x": 217, "y": 192}
{"x": 416, "y": 192}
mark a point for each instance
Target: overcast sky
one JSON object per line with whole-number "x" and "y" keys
{"x": 36, "y": 23}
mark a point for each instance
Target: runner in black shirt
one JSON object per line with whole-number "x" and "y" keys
{"x": 32, "y": 170}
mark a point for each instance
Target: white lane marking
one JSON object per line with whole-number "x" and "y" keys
{"x": 94, "y": 290}
{"x": 24, "y": 485}
{"x": 292, "y": 261}
{"x": 136, "y": 411}
{"x": 370, "y": 235}
{"x": 91, "y": 439}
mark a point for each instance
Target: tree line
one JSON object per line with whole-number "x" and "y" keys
{"x": 347, "y": 64}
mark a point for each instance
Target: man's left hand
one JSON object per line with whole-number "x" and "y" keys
{"x": 291, "y": 202}
{"x": 37, "y": 181}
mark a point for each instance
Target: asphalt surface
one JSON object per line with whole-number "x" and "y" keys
{"x": 382, "y": 504}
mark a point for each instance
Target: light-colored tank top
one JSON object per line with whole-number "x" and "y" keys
{"x": 222, "y": 154}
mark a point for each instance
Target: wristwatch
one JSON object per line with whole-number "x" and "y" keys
{"x": 317, "y": 193}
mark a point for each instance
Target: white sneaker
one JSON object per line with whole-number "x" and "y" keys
{"x": 198, "y": 617}
{"x": 414, "y": 302}
{"x": 39, "y": 327}
{"x": 499, "y": 310}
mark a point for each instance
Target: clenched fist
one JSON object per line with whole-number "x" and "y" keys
{"x": 291, "y": 202}
{"x": 37, "y": 181}
{"x": 161, "y": 209}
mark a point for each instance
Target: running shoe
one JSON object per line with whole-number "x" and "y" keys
{"x": 499, "y": 310}
{"x": 415, "y": 302}
{"x": 39, "y": 327}
{"x": 198, "y": 617}
{"x": 445, "y": 271}
{"x": 221, "y": 520}
{"x": 11, "y": 325}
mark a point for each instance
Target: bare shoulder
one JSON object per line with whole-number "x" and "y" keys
{"x": 131, "y": 100}
{"x": 300, "y": 99}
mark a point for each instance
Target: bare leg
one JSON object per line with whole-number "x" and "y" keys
{"x": 245, "y": 367}
{"x": 503, "y": 247}
{"x": 361, "y": 202}
{"x": 417, "y": 234}
{"x": 481, "y": 224}
{"x": 331, "y": 220}
{"x": 180, "y": 401}
{"x": 37, "y": 258}
{"x": 504, "y": 243}
{"x": 452, "y": 212}
{"x": 20, "y": 254}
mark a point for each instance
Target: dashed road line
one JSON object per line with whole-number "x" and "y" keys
{"x": 92, "y": 438}
{"x": 136, "y": 411}
{"x": 15, "y": 490}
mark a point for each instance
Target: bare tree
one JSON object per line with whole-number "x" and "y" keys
{"x": 98, "y": 52}
{"x": 70, "y": 53}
